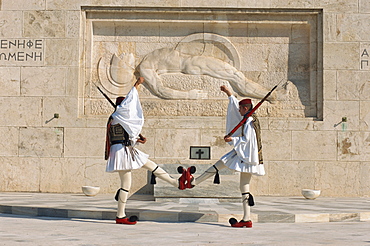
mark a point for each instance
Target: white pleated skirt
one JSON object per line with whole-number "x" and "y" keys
{"x": 121, "y": 158}
{"x": 233, "y": 161}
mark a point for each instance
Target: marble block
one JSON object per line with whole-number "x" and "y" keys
{"x": 227, "y": 189}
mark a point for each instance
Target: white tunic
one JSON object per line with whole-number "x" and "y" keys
{"x": 130, "y": 116}
{"x": 244, "y": 156}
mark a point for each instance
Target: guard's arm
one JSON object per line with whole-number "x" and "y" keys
{"x": 141, "y": 139}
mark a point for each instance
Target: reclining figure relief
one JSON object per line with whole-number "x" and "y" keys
{"x": 190, "y": 60}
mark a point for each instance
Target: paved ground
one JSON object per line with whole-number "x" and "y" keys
{"x": 267, "y": 209}
{"x": 23, "y": 230}
{"x": 75, "y": 219}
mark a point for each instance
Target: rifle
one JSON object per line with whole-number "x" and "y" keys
{"x": 114, "y": 106}
{"x": 246, "y": 116}
{"x": 106, "y": 97}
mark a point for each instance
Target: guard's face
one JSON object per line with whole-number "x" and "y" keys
{"x": 243, "y": 110}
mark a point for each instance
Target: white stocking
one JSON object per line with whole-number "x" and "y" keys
{"x": 125, "y": 177}
{"x": 160, "y": 173}
{"x": 245, "y": 179}
{"x": 209, "y": 172}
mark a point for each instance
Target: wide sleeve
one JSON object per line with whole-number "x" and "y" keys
{"x": 233, "y": 116}
{"x": 246, "y": 146}
{"x": 129, "y": 114}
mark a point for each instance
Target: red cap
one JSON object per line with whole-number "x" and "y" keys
{"x": 245, "y": 101}
{"x": 119, "y": 100}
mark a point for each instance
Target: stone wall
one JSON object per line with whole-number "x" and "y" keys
{"x": 54, "y": 53}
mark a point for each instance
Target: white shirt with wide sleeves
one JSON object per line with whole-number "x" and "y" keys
{"x": 244, "y": 155}
{"x": 129, "y": 115}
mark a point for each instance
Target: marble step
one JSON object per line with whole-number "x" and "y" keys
{"x": 227, "y": 189}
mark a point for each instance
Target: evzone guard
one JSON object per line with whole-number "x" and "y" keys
{"x": 123, "y": 133}
{"x": 246, "y": 155}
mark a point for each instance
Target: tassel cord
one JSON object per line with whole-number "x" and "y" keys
{"x": 152, "y": 180}
{"x": 217, "y": 176}
{"x": 250, "y": 199}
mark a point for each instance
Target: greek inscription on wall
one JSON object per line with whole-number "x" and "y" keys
{"x": 17, "y": 51}
{"x": 364, "y": 59}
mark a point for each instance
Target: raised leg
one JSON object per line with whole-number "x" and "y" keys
{"x": 160, "y": 173}
{"x": 209, "y": 173}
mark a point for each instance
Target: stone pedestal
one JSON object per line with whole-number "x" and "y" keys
{"x": 227, "y": 190}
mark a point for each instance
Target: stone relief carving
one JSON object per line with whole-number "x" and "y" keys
{"x": 190, "y": 57}
{"x": 118, "y": 73}
{"x": 252, "y": 53}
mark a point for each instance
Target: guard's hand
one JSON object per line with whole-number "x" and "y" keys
{"x": 139, "y": 81}
{"x": 141, "y": 140}
{"x": 226, "y": 90}
{"x": 227, "y": 138}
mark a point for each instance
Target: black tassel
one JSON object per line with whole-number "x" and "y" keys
{"x": 217, "y": 179}
{"x": 217, "y": 176}
{"x": 152, "y": 179}
{"x": 250, "y": 200}
{"x": 117, "y": 194}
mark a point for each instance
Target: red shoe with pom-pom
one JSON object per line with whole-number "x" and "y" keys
{"x": 128, "y": 221}
{"x": 242, "y": 223}
{"x": 189, "y": 177}
{"x": 182, "y": 179}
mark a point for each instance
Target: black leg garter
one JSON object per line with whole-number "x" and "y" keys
{"x": 250, "y": 199}
{"x": 117, "y": 193}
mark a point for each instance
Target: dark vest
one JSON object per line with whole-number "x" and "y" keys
{"x": 116, "y": 134}
{"x": 257, "y": 129}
